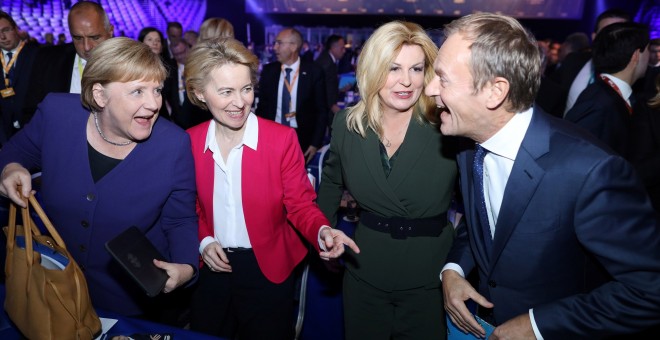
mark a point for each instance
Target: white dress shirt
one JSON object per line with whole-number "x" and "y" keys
{"x": 498, "y": 163}
{"x": 229, "y": 225}
{"x": 580, "y": 83}
{"x": 76, "y": 76}
{"x": 294, "y": 90}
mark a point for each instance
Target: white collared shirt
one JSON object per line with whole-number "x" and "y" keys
{"x": 626, "y": 90}
{"x": 7, "y": 59}
{"x": 76, "y": 77}
{"x": 581, "y": 81}
{"x": 229, "y": 225}
{"x": 502, "y": 150}
{"x": 181, "y": 83}
{"x": 294, "y": 91}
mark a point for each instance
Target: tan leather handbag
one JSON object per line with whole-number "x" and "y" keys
{"x": 45, "y": 303}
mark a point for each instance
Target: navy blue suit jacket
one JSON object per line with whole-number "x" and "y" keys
{"x": 153, "y": 188}
{"x": 603, "y": 112}
{"x": 575, "y": 239}
{"x": 311, "y": 105}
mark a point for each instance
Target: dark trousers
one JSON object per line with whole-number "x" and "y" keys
{"x": 371, "y": 313}
{"x": 243, "y": 303}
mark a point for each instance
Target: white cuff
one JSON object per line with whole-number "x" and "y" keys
{"x": 534, "y": 327}
{"x": 205, "y": 242}
{"x": 452, "y": 266}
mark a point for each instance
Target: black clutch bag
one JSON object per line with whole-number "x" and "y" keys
{"x": 136, "y": 253}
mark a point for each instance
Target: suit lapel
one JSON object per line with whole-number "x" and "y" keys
{"x": 523, "y": 181}
{"x": 371, "y": 154}
{"x": 415, "y": 142}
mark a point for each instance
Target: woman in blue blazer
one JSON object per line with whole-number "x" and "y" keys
{"x": 107, "y": 165}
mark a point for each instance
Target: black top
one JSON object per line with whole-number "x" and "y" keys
{"x": 100, "y": 163}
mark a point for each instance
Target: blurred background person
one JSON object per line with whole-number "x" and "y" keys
{"x": 215, "y": 28}
{"x": 328, "y": 60}
{"x": 153, "y": 38}
{"x": 191, "y": 37}
{"x": 382, "y": 151}
{"x": 17, "y": 62}
{"x": 107, "y": 165}
{"x": 252, "y": 188}
{"x": 292, "y": 92}
{"x": 59, "y": 68}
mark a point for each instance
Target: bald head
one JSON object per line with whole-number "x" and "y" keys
{"x": 89, "y": 26}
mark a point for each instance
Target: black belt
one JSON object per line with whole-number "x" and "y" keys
{"x": 400, "y": 228}
{"x": 236, "y": 249}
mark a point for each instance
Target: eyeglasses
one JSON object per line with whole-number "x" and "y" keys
{"x": 280, "y": 42}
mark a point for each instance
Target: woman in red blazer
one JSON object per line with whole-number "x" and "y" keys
{"x": 252, "y": 188}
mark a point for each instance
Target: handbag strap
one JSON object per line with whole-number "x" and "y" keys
{"x": 29, "y": 229}
{"x": 42, "y": 215}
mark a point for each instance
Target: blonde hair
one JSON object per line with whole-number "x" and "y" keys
{"x": 378, "y": 53}
{"x": 207, "y": 55}
{"x": 119, "y": 60}
{"x": 215, "y": 28}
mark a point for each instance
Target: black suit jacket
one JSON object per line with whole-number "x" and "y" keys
{"x": 311, "y": 104}
{"x": 331, "y": 80}
{"x": 51, "y": 73}
{"x": 12, "y": 107}
{"x": 645, "y": 147}
{"x": 602, "y": 111}
{"x": 554, "y": 88}
{"x": 185, "y": 115}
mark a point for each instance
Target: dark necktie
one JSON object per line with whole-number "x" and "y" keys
{"x": 286, "y": 96}
{"x": 478, "y": 175}
{"x": 10, "y": 74}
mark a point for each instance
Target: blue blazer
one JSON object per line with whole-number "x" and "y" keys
{"x": 153, "y": 188}
{"x": 576, "y": 239}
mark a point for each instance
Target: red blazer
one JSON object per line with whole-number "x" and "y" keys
{"x": 276, "y": 193}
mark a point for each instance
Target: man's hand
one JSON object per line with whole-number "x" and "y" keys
{"x": 309, "y": 154}
{"x": 456, "y": 291}
{"x": 518, "y": 328}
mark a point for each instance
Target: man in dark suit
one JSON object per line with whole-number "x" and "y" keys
{"x": 578, "y": 70}
{"x": 328, "y": 60}
{"x": 17, "y": 60}
{"x": 559, "y": 229}
{"x": 182, "y": 111}
{"x": 561, "y": 89}
{"x": 604, "y": 108}
{"x": 59, "y": 68}
{"x": 304, "y": 89}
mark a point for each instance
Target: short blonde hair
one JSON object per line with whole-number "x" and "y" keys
{"x": 119, "y": 60}
{"x": 207, "y": 55}
{"x": 215, "y": 28}
{"x": 378, "y": 54}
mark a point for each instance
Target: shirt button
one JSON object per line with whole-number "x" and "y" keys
{"x": 492, "y": 283}
{"x": 84, "y": 223}
{"x": 83, "y": 248}
{"x": 90, "y": 197}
